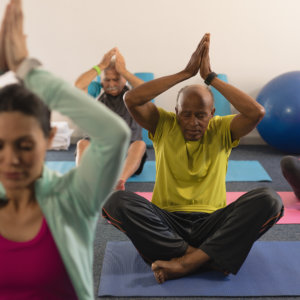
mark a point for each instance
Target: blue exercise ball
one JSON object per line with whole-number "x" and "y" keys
{"x": 280, "y": 127}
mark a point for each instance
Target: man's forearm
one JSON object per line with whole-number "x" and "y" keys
{"x": 133, "y": 80}
{"x": 85, "y": 79}
{"x": 151, "y": 89}
{"x": 245, "y": 104}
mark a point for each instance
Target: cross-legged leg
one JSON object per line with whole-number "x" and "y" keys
{"x": 226, "y": 236}
{"x": 156, "y": 233}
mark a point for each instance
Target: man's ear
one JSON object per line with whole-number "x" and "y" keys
{"x": 213, "y": 112}
{"x": 51, "y": 136}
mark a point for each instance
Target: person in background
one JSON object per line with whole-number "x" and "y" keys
{"x": 115, "y": 76}
{"x": 48, "y": 220}
{"x": 290, "y": 167}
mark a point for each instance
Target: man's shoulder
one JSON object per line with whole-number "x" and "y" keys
{"x": 166, "y": 114}
{"x": 220, "y": 121}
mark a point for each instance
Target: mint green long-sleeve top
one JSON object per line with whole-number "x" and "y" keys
{"x": 71, "y": 203}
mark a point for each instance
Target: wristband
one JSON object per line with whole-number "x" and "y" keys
{"x": 210, "y": 77}
{"x": 97, "y": 69}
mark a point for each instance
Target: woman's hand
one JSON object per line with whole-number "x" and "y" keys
{"x": 14, "y": 38}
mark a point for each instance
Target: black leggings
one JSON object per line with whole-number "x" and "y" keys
{"x": 225, "y": 235}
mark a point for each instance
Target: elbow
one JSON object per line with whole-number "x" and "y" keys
{"x": 260, "y": 113}
{"x": 79, "y": 85}
{"x": 257, "y": 115}
{"x": 128, "y": 99}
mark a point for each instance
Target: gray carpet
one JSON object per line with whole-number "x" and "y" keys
{"x": 267, "y": 156}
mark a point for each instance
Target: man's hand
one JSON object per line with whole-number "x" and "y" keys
{"x": 107, "y": 59}
{"x": 205, "y": 61}
{"x": 193, "y": 65}
{"x": 14, "y": 38}
{"x": 120, "y": 63}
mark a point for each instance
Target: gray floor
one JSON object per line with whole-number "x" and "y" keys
{"x": 267, "y": 156}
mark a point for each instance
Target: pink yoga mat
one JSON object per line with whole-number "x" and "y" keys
{"x": 291, "y": 203}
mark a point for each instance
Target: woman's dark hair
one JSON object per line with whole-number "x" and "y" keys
{"x": 15, "y": 97}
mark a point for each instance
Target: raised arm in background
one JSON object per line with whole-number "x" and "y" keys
{"x": 87, "y": 77}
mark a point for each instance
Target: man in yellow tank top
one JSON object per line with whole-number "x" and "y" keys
{"x": 188, "y": 226}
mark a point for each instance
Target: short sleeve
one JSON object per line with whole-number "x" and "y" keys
{"x": 221, "y": 125}
{"x": 166, "y": 119}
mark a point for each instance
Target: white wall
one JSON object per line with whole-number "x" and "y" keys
{"x": 252, "y": 41}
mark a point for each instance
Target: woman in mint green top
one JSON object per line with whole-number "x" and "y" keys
{"x": 69, "y": 204}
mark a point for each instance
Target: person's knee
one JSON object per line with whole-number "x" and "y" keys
{"x": 289, "y": 164}
{"x": 269, "y": 200}
{"x": 117, "y": 204}
{"x": 114, "y": 200}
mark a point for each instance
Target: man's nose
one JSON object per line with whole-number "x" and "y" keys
{"x": 193, "y": 120}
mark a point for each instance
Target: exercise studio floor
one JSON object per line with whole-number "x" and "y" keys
{"x": 269, "y": 159}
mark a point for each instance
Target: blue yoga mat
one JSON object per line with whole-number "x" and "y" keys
{"x": 237, "y": 171}
{"x": 60, "y": 166}
{"x": 271, "y": 269}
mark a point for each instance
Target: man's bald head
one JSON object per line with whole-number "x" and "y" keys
{"x": 202, "y": 95}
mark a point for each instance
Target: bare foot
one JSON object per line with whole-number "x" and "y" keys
{"x": 165, "y": 270}
{"x": 120, "y": 185}
{"x": 179, "y": 267}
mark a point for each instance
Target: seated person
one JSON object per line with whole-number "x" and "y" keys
{"x": 48, "y": 220}
{"x": 114, "y": 86}
{"x": 290, "y": 167}
{"x": 188, "y": 226}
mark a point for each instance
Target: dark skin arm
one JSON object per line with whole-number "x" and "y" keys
{"x": 138, "y": 100}
{"x": 250, "y": 111}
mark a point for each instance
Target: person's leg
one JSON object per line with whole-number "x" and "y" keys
{"x": 80, "y": 148}
{"x": 290, "y": 167}
{"x": 226, "y": 236}
{"x": 153, "y": 231}
{"x": 141, "y": 166}
{"x": 133, "y": 160}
